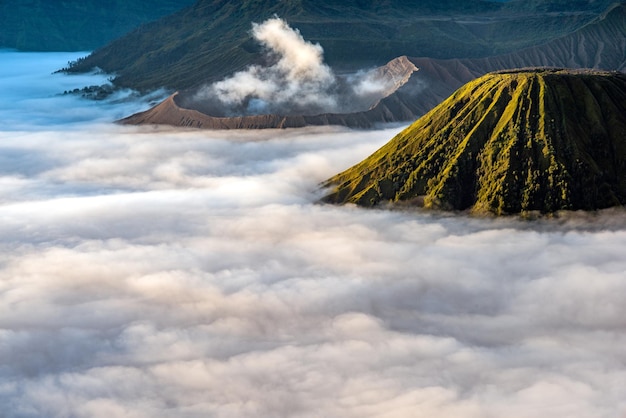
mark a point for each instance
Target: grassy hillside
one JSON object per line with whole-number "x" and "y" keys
{"x": 508, "y": 142}
{"x": 211, "y": 39}
{"x": 75, "y": 25}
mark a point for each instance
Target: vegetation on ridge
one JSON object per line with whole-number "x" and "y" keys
{"x": 508, "y": 142}
{"x": 211, "y": 39}
{"x": 75, "y": 25}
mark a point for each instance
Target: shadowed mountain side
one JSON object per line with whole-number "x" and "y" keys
{"x": 599, "y": 45}
{"x": 211, "y": 39}
{"x": 508, "y": 142}
{"x": 75, "y": 25}
{"x": 557, "y": 6}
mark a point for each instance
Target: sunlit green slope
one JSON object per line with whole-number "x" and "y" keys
{"x": 508, "y": 142}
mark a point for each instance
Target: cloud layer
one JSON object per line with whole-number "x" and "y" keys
{"x": 157, "y": 273}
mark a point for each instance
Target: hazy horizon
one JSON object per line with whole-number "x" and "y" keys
{"x": 185, "y": 273}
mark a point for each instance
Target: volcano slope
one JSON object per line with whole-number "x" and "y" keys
{"x": 508, "y": 142}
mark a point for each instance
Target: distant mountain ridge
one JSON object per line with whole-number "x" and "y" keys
{"x": 600, "y": 44}
{"x": 210, "y": 39}
{"x": 75, "y": 25}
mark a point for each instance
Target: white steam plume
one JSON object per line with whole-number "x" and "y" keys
{"x": 299, "y": 74}
{"x": 298, "y": 82}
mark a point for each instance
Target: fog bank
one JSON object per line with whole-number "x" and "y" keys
{"x": 179, "y": 273}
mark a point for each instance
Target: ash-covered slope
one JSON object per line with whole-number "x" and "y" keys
{"x": 508, "y": 142}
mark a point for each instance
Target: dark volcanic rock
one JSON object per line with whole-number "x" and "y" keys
{"x": 508, "y": 142}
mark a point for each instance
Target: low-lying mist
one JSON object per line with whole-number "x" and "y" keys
{"x": 182, "y": 273}
{"x": 293, "y": 81}
{"x": 32, "y": 94}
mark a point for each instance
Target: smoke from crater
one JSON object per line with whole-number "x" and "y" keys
{"x": 298, "y": 81}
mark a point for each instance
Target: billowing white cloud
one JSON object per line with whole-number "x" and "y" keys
{"x": 157, "y": 273}
{"x": 299, "y": 74}
{"x": 297, "y": 81}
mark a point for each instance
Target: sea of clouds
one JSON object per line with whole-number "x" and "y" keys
{"x": 182, "y": 273}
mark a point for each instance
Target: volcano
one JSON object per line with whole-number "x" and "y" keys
{"x": 509, "y": 142}
{"x": 393, "y": 103}
{"x": 418, "y": 84}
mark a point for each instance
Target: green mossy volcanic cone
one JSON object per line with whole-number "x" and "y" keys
{"x": 509, "y": 142}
